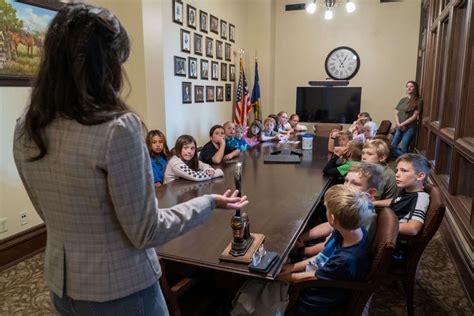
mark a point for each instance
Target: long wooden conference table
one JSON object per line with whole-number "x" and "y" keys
{"x": 282, "y": 198}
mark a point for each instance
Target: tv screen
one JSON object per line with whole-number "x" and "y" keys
{"x": 328, "y": 104}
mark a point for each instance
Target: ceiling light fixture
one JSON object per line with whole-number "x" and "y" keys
{"x": 329, "y": 5}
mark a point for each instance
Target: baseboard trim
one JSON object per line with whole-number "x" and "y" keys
{"x": 464, "y": 273}
{"x": 21, "y": 246}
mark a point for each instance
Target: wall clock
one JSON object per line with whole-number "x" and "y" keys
{"x": 342, "y": 63}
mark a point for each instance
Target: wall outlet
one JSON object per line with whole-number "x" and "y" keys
{"x": 3, "y": 225}
{"x": 23, "y": 218}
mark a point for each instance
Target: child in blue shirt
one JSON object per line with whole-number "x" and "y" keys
{"x": 159, "y": 154}
{"x": 240, "y": 142}
{"x": 345, "y": 256}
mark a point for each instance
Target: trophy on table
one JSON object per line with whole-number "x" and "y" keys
{"x": 242, "y": 239}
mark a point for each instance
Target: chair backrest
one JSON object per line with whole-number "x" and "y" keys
{"x": 433, "y": 218}
{"x": 324, "y": 129}
{"x": 384, "y": 128}
{"x": 382, "y": 249}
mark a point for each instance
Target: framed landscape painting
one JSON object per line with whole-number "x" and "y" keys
{"x": 23, "y": 27}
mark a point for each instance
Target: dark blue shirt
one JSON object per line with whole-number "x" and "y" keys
{"x": 344, "y": 263}
{"x": 158, "y": 164}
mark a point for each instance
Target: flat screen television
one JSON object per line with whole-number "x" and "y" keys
{"x": 328, "y": 104}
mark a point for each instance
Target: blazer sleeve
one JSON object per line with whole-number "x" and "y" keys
{"x": 130, "y": 183}
{"x": 20, "y": 160}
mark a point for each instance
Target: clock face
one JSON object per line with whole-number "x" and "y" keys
{"x": 342, "y": 63}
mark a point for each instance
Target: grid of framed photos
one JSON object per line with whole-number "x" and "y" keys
{"x": 208, "y": 42}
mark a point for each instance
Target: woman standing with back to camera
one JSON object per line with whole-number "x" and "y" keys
{"x": 407, "y": 112}
{"x": 81, "y": 155}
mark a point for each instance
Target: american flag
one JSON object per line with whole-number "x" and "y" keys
{"x": 242, "y": 106}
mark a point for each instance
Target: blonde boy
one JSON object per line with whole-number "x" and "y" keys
{"x": 346, "y": 255}
{"x": 411, "y": 203}
{"x": 376, "y": 151}
{"x": 364, "y": 177}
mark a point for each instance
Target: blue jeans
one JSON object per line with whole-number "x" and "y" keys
{"x": 149, "y": 301}
{"x": 405, "y": 137}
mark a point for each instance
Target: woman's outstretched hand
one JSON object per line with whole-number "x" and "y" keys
{"x": 230, "y": 200}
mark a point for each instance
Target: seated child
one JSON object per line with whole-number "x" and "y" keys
{"x": 293, "y": 126}
{"x": 376, "y": 151}
{"x": 239, "y": 141}
{"x": 185, "y": 164}
{"x": 281, "y": 122}
{"x": 367, "y": 132}
{"x": 411, "y": 203}
{"x": 363, "y": 176}
{"x": 277, "y": 119}
{"x": 351, "y": 155}
{"x": 268, "y": 133}
{"x": 229, "y": 132}
{"x": 254, "y": 132}
{"x": 345, "y": 257}
{"x": 367, "y": 120}
{"x": 358, "y": 131}
{"x": 342, "y": 137}
{"x": 215, "y": 151}
{"x": 159, "y": 154}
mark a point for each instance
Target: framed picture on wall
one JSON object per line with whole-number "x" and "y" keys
{"x": 219, "y": 49}
{"x": 191, "y": 16}
{"x": 21, "y": 39}
{"x": 209, "y": 44}
{"x": 232, "y": 72}
{"x": 223, "y": 29}
{"x": 198, "y": 94}
{"x": 178, "y": 12}
{"x": 209, "y": 93}
{"x": 227, "y": 51}
{"x": 219, "y": 93}
{"x": 187, "y": 97}
{"x": 179, "y": 66}
{"x": 231, "y": 32}
{"x": 228, "y": 92}
{"x": 214, "y": 24}
{"x": 192, "y": 68}
{"x": 185, "y": 41}
{"x": 204, "y": 69}
{"x": 214, "y": 70}
{"x": 197, "y": 44}
{"x": 223, "y": 71}
{"x": 202, "y": 21}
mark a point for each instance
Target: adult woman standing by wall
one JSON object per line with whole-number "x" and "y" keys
{"x": 407, "y": 112}
{"x": 81, "y": 155}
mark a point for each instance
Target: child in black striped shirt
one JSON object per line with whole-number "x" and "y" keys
{"x": 411, "y": 204}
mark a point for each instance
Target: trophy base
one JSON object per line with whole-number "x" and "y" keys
{"x": 247, "y": 257}
{"x": 239, "y": 250}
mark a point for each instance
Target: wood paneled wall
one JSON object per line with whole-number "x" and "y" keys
{"x": 446, "y": 135}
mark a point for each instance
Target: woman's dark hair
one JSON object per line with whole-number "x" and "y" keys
{"x": 414, "y": 97}
{"x": 185, "y": 140}
{"x": 257, "y": 124}
{"x": 149, "y": 139}
{"x": 80, "y": 74}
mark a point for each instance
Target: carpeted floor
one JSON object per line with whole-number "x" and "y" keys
{"x": 438, "y": 291}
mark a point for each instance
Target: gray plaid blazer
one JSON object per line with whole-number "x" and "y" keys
{"x": 94, "y": 190}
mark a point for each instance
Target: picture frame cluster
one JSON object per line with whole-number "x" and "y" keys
{"x": 210, "y": 56}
